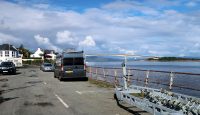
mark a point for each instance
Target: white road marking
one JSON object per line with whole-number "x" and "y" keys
{"x": 44, "y": 83}
{"x": 79, "y": 92}
{"x": 66, "y": 106}
{"x": 89, "y": 91}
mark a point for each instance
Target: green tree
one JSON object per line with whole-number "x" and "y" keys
{"x": 26, "y": 53}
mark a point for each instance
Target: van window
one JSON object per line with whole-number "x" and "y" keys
{"x": 78, "y": 61}
{"x": 67, "y": 61}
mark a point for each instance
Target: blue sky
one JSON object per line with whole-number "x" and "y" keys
{"x": 143, "y": 27}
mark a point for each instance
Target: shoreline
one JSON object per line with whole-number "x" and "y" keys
{"x": 173, "y": 60}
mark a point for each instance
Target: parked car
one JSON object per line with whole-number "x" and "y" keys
{"x": 70, "y": 65}
{"x": 47, "y": 67}
{"x": 7, "y": 68}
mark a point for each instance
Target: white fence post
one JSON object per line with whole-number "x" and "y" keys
{"x": 104, "y": 74}
{"x": 147, "y": 78}
{"x": 171, "y": 80}
{"x": 115, "y": 73}
{"x": 96, "y": 73}
{"x": 128, "y": 77}
{"x": 91, "y": 72}
{"x": 124, "y": 75}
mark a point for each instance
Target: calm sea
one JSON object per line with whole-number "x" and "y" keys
{"x": 193, "y": 67}
{"x": 192, "y": 81}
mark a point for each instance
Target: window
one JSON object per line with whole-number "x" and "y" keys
{"x": 58, "y": 63}
{"x": 78, "y": 61}
{"x": 13, "y": 54}
{"x": 7, "y": 53}
{"x": 1, "y": 53}
{"x": 67, "y": 61}
{"x": 48, "y": 64}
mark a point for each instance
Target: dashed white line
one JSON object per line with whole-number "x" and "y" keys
{"x": 66, "y": 106}
{"x": 79, "y": 92}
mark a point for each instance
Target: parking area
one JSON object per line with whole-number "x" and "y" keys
{"x": 34, "y": 92}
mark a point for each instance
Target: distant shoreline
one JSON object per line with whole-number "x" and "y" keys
{"x": 173, "y": 59}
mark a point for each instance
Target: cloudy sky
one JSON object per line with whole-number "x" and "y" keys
{"x": 142, "y": 27}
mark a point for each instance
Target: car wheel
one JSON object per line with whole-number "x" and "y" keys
{"x": 14, "y": 72}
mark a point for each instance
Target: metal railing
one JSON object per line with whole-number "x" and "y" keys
{"x": 181, "y": 82}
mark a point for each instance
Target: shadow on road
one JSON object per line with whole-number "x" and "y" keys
{"x": 6, "y": 74}
{"x": 34, "y": 82}
{"x": 129, "y": 109}
{"x": 2, "y": 99}
{"x": 75, "y": 79}
{"x": 4, "y": 85}
{"x": 12, "y": 89}
{"x": 42, "y": 104}
{"x": 3, "y": 80}
{"x": 17, "y": 73}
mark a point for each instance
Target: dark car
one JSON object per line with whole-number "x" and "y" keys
{"x": 8, "y": 68}
{"x": 47, "y": 67}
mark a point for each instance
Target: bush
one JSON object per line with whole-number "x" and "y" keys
{"x": 38, "y": 62}
{"x": 34, "y": 62}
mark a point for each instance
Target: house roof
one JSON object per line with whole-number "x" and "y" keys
{"x": 49, "y": 51}
{"x": 7, "y": 47}
{"x": 38, "y": 51}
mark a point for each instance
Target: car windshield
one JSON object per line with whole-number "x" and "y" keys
{"x": 47, "y": 64}
{"x": 6, "y": 63}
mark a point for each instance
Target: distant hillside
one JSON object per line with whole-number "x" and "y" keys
{"x": 109, "y": 59}
{"x": 173, "y": 59}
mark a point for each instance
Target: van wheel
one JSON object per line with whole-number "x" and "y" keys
{"x": 60, "y": 78}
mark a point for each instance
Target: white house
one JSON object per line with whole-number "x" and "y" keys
{"x": 50, "y": 54}
{"x": 10, "y": 53}
{"x": 38, "y": 54}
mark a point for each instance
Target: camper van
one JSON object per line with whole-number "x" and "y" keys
{"x": 70, "y": 64}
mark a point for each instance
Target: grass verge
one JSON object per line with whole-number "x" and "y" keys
{"x": 101, "y": 84}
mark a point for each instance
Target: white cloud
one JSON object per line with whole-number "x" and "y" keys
{"x": 45, "y": 43}
{"x": 41, "y": 40}
{"x": 125, "y": 51}
{"x": 65, "y": 37}
{"x": 191, "y": 4}
{"x": 153, "y": 52}
{"x": 130, "y": 6}
{"x": 197, "y": 45}
{"x": 41, "y": 6}
{"x": 87, "y": 42}
{"x": 112, "y": 24}
{"x": 5, "y": 38}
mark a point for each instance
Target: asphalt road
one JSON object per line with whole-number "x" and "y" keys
{"x": 33, "y": 92}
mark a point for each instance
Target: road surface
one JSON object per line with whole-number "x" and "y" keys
{"x": 33, "y": 92}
